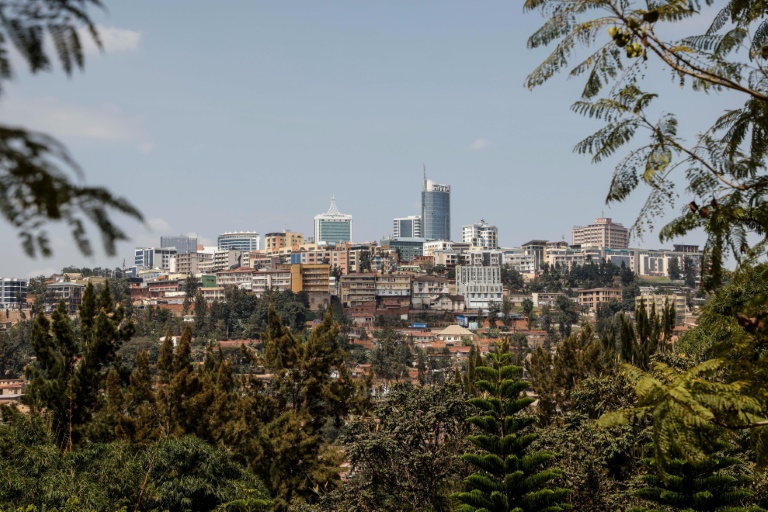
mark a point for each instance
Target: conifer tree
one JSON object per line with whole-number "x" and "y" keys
{"x": 51, "y": 389}
{"x": 139, "y": 420}
{"x": 306, "y": 397}
{"x": 70, "y": 371}
{"x": 165, "y": 359}
{"x": 201, "y": 313}
{"x": 510, "y": 476}
{"x": 713, "y": 484}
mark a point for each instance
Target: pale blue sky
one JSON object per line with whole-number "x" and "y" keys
{"x": 227, "y": 116}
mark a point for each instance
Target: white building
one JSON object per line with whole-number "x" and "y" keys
{"x": 220, "y": 260}
{"x": 274, "y": 280}
{"x": 153, "y": 257}
{"x": 189, "y": 263}
{"x": 243, "y": 241}
{"x": 481, "y": 234}
{"x": 333, "y": 226}
{"x": 518, "y": 259}
{"x": 480, "y": 286}
{"x": 483, "y": 257}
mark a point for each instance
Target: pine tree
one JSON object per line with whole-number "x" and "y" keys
{"x": 713, "y": 484}
{"x": 306, "y": 397}
{"x": 201, "y": 313}
{"x": 510, "y": 476}
{"x": 51, "y": 389}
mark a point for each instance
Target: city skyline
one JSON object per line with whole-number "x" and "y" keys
{"x": 341, "y": 99}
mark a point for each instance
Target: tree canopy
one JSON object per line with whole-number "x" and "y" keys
{"x": 613, "y": 43}
{"x": 40, "y": 182}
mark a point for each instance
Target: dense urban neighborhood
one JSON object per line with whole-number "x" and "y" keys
{"x": 289, "y": 354}
{"x": 433, "y": 369}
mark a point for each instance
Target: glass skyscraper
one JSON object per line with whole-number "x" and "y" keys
{"x": 183, "y": 244}
{"x": 436, "y": 211}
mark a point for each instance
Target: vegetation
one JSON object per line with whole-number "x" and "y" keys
{"x": 510, "y": 476}
{"x": 628, "y": 417}
{"x": 724, "y": 167}
{"x": 38, "y": 176}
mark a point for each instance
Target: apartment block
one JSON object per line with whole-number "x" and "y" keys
{"x": 273, "y": 242}
{"x": 590, "y": 299}
{"x": 327, "y": 255}
{"x": 425, "y": 291}
{"x": 310, "y": 278}
{"x": 70, "y": 293}
{"x": 261, "y": 261}
{"x": 189, "y": 263}
{"x": 270, "y": 280}
{"x": 223, "y": 259}
{"x": 393, "y": 289}
{"x": 241, "y": 277}
{"x": 483, "y": 258}
{"x": 517, "y": 259}
{"x": 480, "y": 234}
{"x": 356, "y": 289}
{"x": 651, "y": 301}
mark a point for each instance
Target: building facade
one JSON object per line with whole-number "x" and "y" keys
{"x": 590, "y": 299}
{"x": 357, "y": 289}
{"x": 426, "y": 290}
{"x": 13, "y": 292}
{"x": 153, "y": 257}
{"x": 407, "y": 248}
{"x": 189, "y": 263}
{"x": 655, "y": 302}
{"x": 182, "y": 243}
{"x": 271, "y": 280}
{"x": 273, "y": 242}
{"x": 240, "y": 277}
{"x": 436, "y": 210}
{"x": 244, "y": 241}
{"x": 481, "y": 234}
{"x": 480, "y": 286}
{"x": 604, "y": 232}
{"x": 333, "y": 226}
{"x": 407, "y": 227}
{"x": 70, "y": 293}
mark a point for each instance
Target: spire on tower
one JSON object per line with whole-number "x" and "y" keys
{"x": 333, "y": 210}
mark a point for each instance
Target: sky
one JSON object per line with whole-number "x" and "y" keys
{"x": 249, "y": 115}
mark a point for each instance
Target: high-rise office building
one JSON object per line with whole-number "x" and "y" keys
{"x": 333, "y": 226}
{"x": 183, "y": 244}
{"x": 604, "y": 233}
{"x": 153, "y": 257}
{"x": 245, "y": 241}
{"x": 436, "y": 210}
{"x": 407, "y": 227}
{"x": 481, "y": 234}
